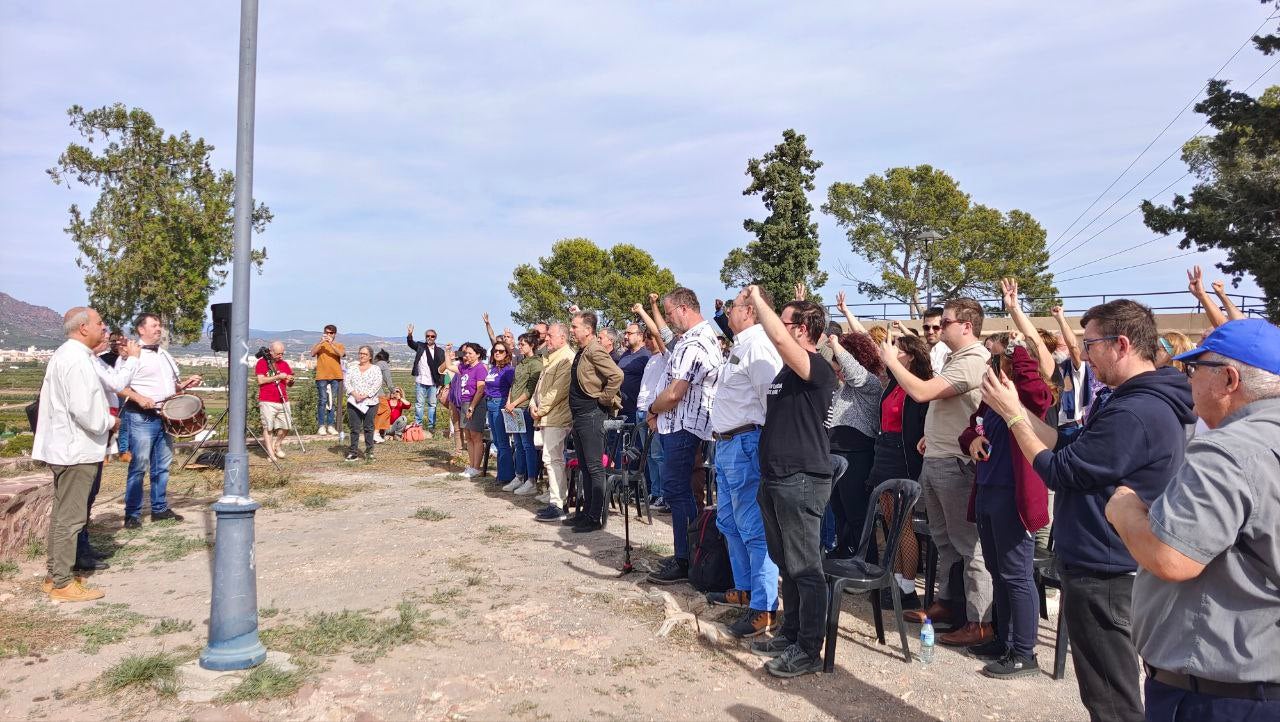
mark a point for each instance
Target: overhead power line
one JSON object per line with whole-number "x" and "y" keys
{"x": 1126, "y": 268}
{"x": 1117, "y": 253}
{"x": 1067, "y": 253}
{"x": 1159, "y": 135}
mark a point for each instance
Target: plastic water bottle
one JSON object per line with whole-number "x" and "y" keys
{"x": 926, "y": 642}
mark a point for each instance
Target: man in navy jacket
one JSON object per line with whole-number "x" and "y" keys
{"x": 427, "y": 360}
{"x": 1134, "y": 437}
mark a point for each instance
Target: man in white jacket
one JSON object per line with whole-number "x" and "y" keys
{"x": 72, "y": 429}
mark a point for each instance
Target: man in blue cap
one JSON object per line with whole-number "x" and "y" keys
{"x": 1206, "y": 618}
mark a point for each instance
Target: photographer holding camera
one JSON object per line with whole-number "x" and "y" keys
{"x": 274, "y": 379}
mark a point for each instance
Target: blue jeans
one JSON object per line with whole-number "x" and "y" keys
{"x": 501, "y": 441}
{"x": 829, "y": 529}
{"x": 424, "y": 393}
{"x": 528, "y": 457}
{"x": 738, "y": 518}
{"x": 328, "y": 416}
{"x": 677, "y": 467}
{"x": 152, "y": 451}
{"x": 653, "y": 467}
{"x": 1008, "y": 551}
{"x": 122, "y": 436}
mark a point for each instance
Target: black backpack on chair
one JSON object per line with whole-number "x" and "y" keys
{"x": 709, "y": 569}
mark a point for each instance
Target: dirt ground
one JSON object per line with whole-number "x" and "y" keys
{"x": 509, "y": 618}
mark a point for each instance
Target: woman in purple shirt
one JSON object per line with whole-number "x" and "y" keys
{"x": 497, "y": 385}
{"x": 465, "y": 393}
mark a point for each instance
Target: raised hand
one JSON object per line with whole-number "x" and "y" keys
{"x": 1195, "y": 281}
{"x": 653, "y": 298}
{"x": 410, "y": 329}
{"x": 1057, "y": 312}
{"x": 840, "y": 303}
{"x": 637, "y": 309}
{"x": 719, "y": 304}
{"x": 800, "y": 291}
{"x": 1009, "y": 290}
{"x": 888, "y": 351}
{"x": 1218, "y": 288}
{"x": 486, "y": 318}
{"x": 833, "y": 340}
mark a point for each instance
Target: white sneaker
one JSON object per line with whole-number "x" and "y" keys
{"x": 331, "y": 430}
{"x": 470, "y": 473}
{"x": 528, "y": 488}
{"x": 543, "y": 498}
{"x": 378, "y": 438}
{"x": 322, "y": 431}
{"x": 516, "y": 483}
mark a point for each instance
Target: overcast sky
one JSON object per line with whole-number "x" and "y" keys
{"x": 415, "y": 152}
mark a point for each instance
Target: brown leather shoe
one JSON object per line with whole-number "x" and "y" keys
{"x": 938, "y": 612}
{"x": 968, "y": 635}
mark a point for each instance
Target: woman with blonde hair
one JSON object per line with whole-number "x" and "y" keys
{"x": 1171, "y": 344}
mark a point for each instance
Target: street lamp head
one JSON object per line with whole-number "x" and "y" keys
{"x": 930, "y": 235}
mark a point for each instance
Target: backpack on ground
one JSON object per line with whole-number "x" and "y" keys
{"x": 413, "y": 432}
{"x": 709, "y": 569}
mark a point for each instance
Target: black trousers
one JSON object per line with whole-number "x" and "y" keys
{"x": 358, "y": 420}
{"x": 792, "y": 507}
{"x": 1166, "y": 703}
{"x": 850, "y": 499}
{"x": 1097, "y": 611}
{"x": 588, "y": 446}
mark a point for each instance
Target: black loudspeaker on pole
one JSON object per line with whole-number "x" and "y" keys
{"x": 220, "y": 337}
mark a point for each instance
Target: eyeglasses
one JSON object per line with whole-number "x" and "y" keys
{"x": 364, "y": 353}
{"x": 1087, "y": 342}
{"x": 431, "y": 335}
{"x": 947, "y": 322}
{"x": 1192, "y": 365}
{"x": 928, "y": 327}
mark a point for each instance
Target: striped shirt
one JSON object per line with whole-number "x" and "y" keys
{"x": 696, "y": 358}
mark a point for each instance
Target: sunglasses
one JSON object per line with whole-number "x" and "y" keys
{"x": 431, "y": 335}
{"x": 928, "y": 327}
{"x": 947, "y": 322}
{"x": 1191, "y": 366}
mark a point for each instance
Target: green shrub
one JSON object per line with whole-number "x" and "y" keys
{"x": 18, "y": 446}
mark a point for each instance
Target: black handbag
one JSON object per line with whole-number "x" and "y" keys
{"x": 33, "y": 413}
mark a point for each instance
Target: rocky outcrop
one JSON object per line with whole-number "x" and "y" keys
{"x": 25, "y": 503}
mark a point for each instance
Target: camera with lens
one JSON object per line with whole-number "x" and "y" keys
{"x": 265, "y": 353}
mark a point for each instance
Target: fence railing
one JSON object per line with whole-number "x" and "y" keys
{"x": 1159, "y": 301}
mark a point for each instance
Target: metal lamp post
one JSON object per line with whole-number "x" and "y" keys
{"x": 233, "y": 617}
{"x": 927, "y": 237}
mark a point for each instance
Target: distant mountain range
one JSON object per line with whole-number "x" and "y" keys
{"x": 23, "y": 325}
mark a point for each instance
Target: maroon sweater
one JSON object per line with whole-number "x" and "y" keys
{"x": 1031, "y": 495}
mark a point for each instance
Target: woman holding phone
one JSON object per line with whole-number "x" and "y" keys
{"x": 1011, "y": 503}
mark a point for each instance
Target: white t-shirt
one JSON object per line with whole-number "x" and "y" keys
{"x": 651, "y": 382}
{"x": 938, "y": 356}
{"x": 156, "y": 376}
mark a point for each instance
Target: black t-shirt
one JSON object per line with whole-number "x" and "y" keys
{"x": 579, "y": 401}
{"x": 794, "y": 439}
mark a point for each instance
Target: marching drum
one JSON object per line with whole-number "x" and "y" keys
{"x": 183, "y": 414}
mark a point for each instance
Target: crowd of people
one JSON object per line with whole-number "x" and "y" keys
{"x": 1146, "y": 462}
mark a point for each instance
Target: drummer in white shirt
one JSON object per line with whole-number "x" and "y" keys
{"x": 155, "y": 380}
{"x": 72, "y": 429}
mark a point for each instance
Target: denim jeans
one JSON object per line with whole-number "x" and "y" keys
{"x": 792, "y": 508}
{"x": 1096, "y": 608}
{"x": 328, "y": 416}
{"x": 528, "y": 458}
{"x": 588, "y": 446}
{"x": 830, "y": 529}
{"x": 122, "y": 436}
{"x": 738, "y": 518}
{"x": 653, "y": 467}
{"x": 679, "y": 448}
{"x": 501, "y": 440}
{"x": 1009, "y": 551}
{"x": 425, "y": 393}
{"x": 84, "y": 552}
{"x": 152, "y": 452}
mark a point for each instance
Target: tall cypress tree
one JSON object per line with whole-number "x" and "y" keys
{"x": 785, "y": 250}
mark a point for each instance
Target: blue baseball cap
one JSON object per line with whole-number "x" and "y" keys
{"x": 1250, "y": 341}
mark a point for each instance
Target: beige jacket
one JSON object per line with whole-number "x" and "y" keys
{"x": 551, "y": 395}
{"x": 599, "y": 377}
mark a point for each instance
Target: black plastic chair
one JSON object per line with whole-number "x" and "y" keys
{"x": 858, "y": 575}
{"x": 1046, "y": 575}
{"x": 625, "y": 479}
{"x": 920, "y": 525}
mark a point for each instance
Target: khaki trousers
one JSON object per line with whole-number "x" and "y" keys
{"x": 71, "y": 487}
{"x": 553, "y": 438}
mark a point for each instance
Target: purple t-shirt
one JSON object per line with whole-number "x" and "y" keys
{"x": 497, "y": 383}
{"x": 463, "y": 388}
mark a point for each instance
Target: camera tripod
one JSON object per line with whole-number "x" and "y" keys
{"x": 625, "y": 479}
{"x": 217, "y": 424}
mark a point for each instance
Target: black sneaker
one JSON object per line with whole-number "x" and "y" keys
{"x": 771, "y": 647}
{"x": 1011, "y": 666}
{"x": 166, "y": 515}
{"x": 753, "y": 624}
{"x": 586, "y": 526}
{"x": 661, "y": 506}
{"x": 133, "y": 522}
{"x": 352, "y": 456}
{"x": 551, "y": 513}
{"x": 90, "y": 565}
{"x": 368, "y": 455}
{"x": 909, "y": 601}
{"x": 573, "y": 518}
{"x": 673, "y": 572}
{"x": 793, "y": 662}
{"x": 995, "y": 649}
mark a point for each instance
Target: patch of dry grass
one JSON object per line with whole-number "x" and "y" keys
{"x": 33, "y": 631}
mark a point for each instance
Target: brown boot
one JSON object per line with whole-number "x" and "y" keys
{"x": 937, "y": 612}
{"x": 126, "y": 457}
{"x": 48, "y": 583}
{"x": 969, "y": 635}
{"x": 76, "y": 591}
